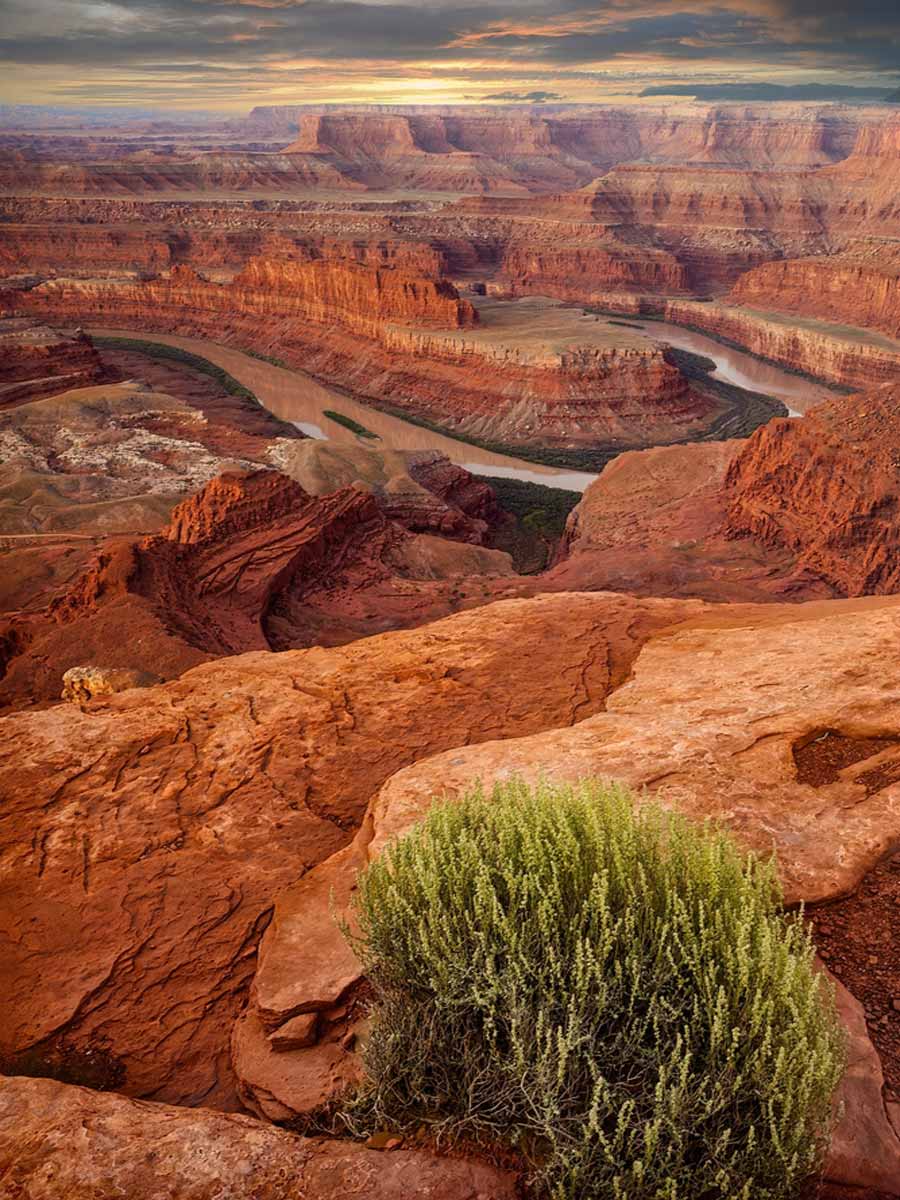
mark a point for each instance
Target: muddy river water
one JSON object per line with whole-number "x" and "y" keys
{"x": 296, "y": 397}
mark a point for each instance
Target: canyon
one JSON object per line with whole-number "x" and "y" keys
{"x": 531, "y": 374}
{"x": 351, "y": 455}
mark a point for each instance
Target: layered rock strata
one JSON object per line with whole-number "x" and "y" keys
{"x": 531, "y": 375}
{"x": 848, "y": 290}
{"x": 36, "y": 360}
{"x": 462, "y": 151}
{"x": 827, "y": 490}
{"x": 838, "y": 353}
{"x": 251, "y": 562}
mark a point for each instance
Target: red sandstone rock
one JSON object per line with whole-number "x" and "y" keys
{"x": 69, "y": 1143}
{"x": 654, "y": 523}
{"x": 840, "y": 288}
{"x": 732, "y": 761}
{"x": 483, "y": 383}
{"x": 36, "y": 361}
{"x": 467, "y": 150}
{"x": 143, "y": 840}
{"x": 838, "y": 353}
{"x": 826, "y": 489}
{"x": 250, "y": 562}
{"x": 421, "y": 490}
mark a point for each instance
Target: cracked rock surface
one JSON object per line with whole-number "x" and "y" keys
{"x": 143, "y": 840}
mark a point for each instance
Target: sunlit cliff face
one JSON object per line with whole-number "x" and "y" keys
{"x": 227, "y": 54}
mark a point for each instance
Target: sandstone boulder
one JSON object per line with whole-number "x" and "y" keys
{"x": 81, "y": 684}
{"x": 68, "y": 1143}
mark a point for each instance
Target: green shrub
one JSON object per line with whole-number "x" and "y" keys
{"x": 603, "y": 986}
{"x": 349, "y": 423}
{"x": 161, "y": 350}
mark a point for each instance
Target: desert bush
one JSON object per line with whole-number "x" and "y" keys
{"x": 603, "y": 986}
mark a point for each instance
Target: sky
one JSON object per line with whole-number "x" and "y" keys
{"x": 229, "y": 55}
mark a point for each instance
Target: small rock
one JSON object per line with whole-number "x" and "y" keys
{"x": 81, "y": 684}
{"x": 380, "y": 1140}
{"x": 296, "y": 1033}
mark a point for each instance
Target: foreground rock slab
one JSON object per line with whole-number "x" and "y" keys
{"x": 142, "y": 841}
{"x": 717, "y": 719}
{"x": 711, "y": 721}
{"x": 69, "y": 1143}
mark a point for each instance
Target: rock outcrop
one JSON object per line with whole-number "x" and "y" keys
{"x": 250, "y": 562}
{"x": 114, "y": 459}
{"x": 845, "y": 289}
{"x": 655, "y": 523}
{"x": 320, "y": 292}
{"x": 421, "y": 490}
{"x": 838, "y": 353}
{"x": 827, "y": 489}
{"x": 69, "y": 1143}
{"x": 81, "y": 684}
{"x": 37, "y": 361}
{"x": 144, "y": 839}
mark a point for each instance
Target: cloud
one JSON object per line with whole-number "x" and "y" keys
{"x": 527, "y": 49}
{"x": 524, "y": 97}
{"x": 767, "y": 91}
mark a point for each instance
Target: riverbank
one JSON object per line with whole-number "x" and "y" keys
{"x": 296, "y": 397}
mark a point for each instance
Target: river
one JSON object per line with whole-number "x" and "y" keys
{"x": 741, "y": 369}
{"x": 296, "y": 397}
{"x": 300, "y": 399}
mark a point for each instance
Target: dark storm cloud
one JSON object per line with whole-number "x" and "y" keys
{"x": 524, "y": 97}
{"x": 211, "y": 37}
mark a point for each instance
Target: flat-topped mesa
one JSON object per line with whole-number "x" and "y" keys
{"x": 524, "y": 373}
{"x": 351, "y": 135}
{"x": 582, "y": 270}
{"x": 782, "y": 135}
{"x": 847, "y": 289}
{"x": 877, "y": 146}
{"x": 459, "y": 151}
{"x": 320, "y": 291}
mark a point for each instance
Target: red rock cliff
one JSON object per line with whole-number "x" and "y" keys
{"x": 840, "y": 289}
{"x": 827, "y": 488}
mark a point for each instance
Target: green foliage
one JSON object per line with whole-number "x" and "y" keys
{"x": 543, "y": 510}
{"x": 175, "y": 354}
{"x": 349, "y": 423}
{"x": 271, "y": 359}
{"x": 603, "y": 986}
